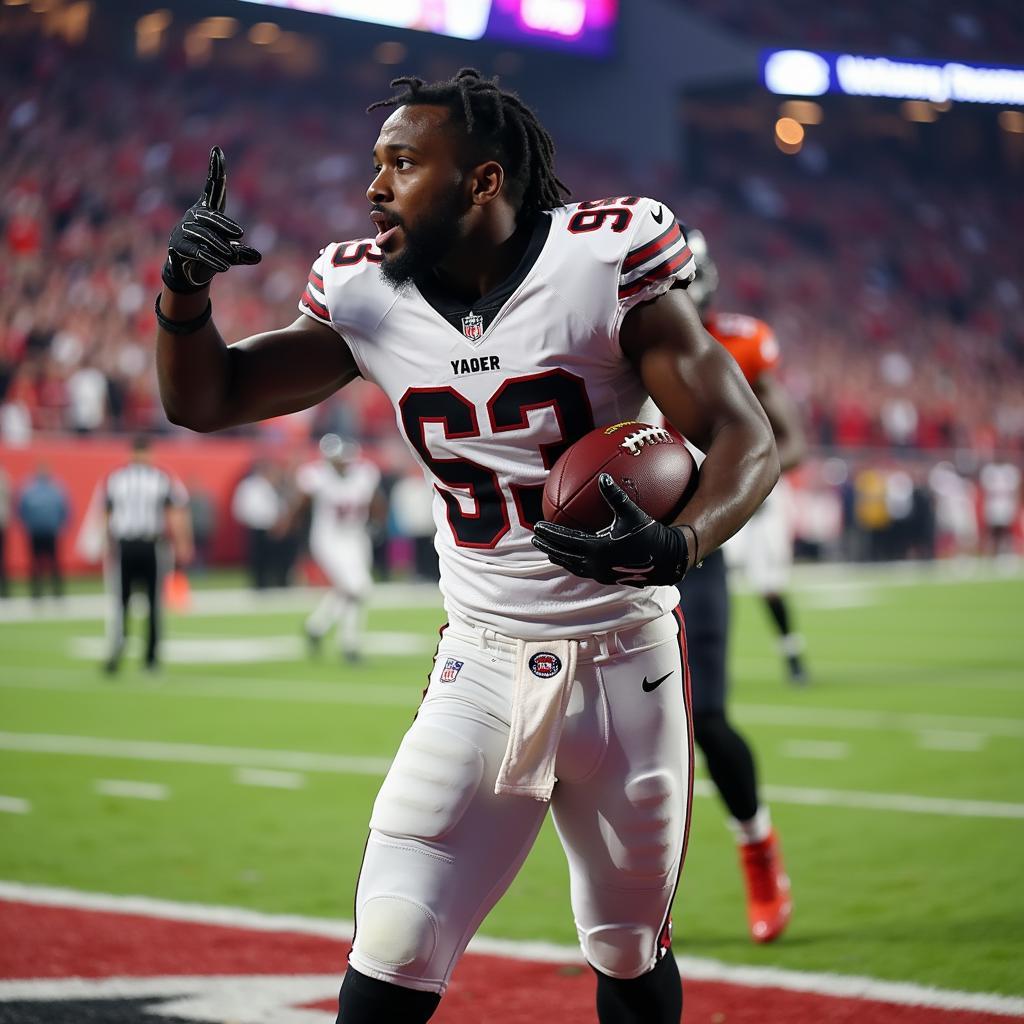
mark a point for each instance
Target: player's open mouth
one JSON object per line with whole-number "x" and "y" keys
{"x": 386, "y": 227}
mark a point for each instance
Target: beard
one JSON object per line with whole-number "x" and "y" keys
{"x": 428, "y": 242}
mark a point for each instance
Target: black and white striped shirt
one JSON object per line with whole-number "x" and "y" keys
{"x": 137, "y": 498}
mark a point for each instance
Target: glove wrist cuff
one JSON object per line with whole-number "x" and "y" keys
{"x": 178, "y": 285}
{"x": 696, "y": 542}
{"x": 682, "y": 553}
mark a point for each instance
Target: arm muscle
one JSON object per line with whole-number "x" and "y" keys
{"x": 208, "y": 385}
{"x": 701, "y": 391}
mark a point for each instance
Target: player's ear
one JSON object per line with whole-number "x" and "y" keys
{"x": 486, "y": 182}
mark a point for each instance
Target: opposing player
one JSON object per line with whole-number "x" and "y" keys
{"x": 342, "y": 489}
{"x": 763, "y": 547}
{"x": 504, "y": 325}
{"x": 705, "y": 603}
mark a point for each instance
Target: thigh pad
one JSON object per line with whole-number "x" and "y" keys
{"x": 430, "y": 784}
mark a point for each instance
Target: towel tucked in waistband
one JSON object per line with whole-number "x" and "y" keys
{"x": 544, "y": 673}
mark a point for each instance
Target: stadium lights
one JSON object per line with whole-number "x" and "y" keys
{"x": 389, "y": 53}
{"x": 263, "y": 33}
{"x": 804, "y": 111}
{"x": 1012, "y": 121}
{"x": 789, "y": 135}
{"x": 218, "y": 27}
{"x": 917, "y": 110}
{"x": 810, "y": 73}
{"x": 198, "y": 46}
{"x": 149, "y": 31}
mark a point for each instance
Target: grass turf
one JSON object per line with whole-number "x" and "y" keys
{"x": 918, "y": 689}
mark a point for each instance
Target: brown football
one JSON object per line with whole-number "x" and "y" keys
{"x": 650, "y": 463}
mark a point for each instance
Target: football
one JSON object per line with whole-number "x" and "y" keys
{"x": 651, "y": 464}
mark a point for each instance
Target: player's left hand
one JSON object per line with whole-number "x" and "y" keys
{"x": 635, "y": 550}
{"x": 206, "y": 242}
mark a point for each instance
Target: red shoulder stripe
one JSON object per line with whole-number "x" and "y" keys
{"x": 321, "y": 311}
{"x": 667, "y": 238}
{"x": 661, "y": 271}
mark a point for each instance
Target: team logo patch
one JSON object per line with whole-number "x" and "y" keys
{"x": 545, "y": 665}
{"x": 451, "y": 670}
{"x": 473, "y": 326}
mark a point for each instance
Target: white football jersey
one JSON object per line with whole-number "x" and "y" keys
{"x": 341, "y": 501}
{"x": 489, "y": 396}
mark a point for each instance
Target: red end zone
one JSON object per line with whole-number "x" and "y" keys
{"x": 59, "y": 963}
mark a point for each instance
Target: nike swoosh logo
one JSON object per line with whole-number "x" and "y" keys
{"x": 659, "y": 216}
{"x": 657, "y": 682}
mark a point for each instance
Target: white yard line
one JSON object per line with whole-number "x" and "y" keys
{"x": 874, "y": 673}
{"x": 903, "y": 803}
{"x": 209, "y": 650}
{"x": 816, "y": 750}
{"x": 192, "y": 753}
{"x": 829, "y": 580}
{"x": 294, "y": 760}
{"x": 268, "y": 778}
{"x": 14, "y": 805}
{"x": 944, "y": 740}
{"x": 891, "y": 721}
{"x": 698, "y": 968}
{"x": 132, "y": 790}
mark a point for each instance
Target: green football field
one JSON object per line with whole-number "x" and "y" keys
{"x": 245, "y": 773}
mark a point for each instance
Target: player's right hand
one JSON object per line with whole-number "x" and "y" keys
{"x": 206, "y": 241}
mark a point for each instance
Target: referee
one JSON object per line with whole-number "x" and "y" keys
{"x": 144, "y": 506}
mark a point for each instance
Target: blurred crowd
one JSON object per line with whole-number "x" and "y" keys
{"x": 897, "y": 301}
{"x": 985, "y": 32}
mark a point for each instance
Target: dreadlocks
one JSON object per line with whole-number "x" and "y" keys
{"x": 497, "y": 126}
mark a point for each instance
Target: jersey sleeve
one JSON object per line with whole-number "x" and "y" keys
{"x": 346, "y": 292}
{"x": 314, "y": 298}
{"x": 657, "y": 256}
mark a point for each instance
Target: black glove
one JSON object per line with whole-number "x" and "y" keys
{"x": 635, "y": 550}
{"x": 206, "y": 242}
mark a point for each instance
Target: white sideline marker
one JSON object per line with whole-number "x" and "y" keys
{"x": 816, "y": 750}
{"x": 698, "y": 968}
{"x": 269, "y": 779}
{"x": 132, "y": 790}
{"x": 961, "y": 742}
{"x": 14, "y": 805}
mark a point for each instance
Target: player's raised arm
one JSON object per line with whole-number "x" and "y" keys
{"x": 700, "y": 389}
{"x": 206, "y": 384}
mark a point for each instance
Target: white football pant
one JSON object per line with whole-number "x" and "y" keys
{"x": 763, "y": 547}
{"x": 345, "y": 558}
{"x": 443, "y": 847}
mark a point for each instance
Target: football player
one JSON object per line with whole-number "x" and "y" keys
{"x": 342, "y": 489}
{"x": 504, "y": 325}
{"x": 705, "y": 604}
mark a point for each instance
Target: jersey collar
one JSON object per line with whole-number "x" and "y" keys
{"x": 472, "y": 321}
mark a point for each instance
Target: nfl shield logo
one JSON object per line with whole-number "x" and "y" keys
{"x": 473, "y": 326}
{"x": 451, "y": 670}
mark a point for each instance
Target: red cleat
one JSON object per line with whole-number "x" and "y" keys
{"x": 769, "y": 905}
